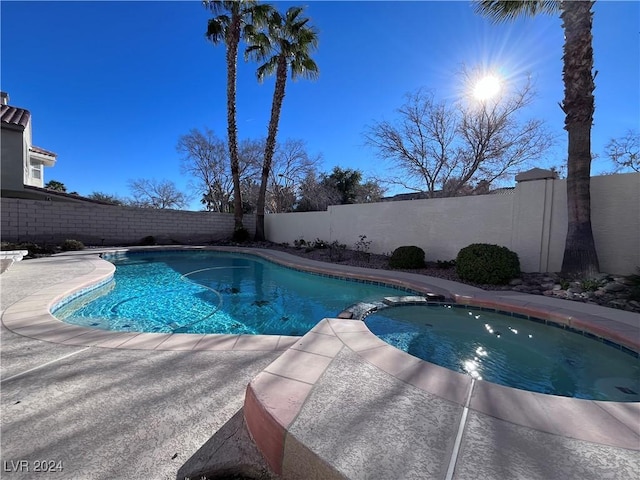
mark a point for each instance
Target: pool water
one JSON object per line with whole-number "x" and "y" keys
{"x": 214, "y": 292}
{"x": 510, "y": 351}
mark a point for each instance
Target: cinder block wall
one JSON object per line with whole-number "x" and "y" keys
{"x": 53, "y": 222}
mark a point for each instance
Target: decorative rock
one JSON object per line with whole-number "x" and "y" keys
{"x": 547, "y": 285}
{"x": 515, "y": 281}
{"x": 557, "y": 286}
{"x": 613, "y": 287}
{"x": 618, "y": 303}
{"x": 575, "y": 290}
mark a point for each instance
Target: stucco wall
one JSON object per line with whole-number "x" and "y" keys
{"x": 54, "y": 222}
{"x": 615, "y": 220}
{"x": 12, "y": 150}
{"x": 531, "y": 221}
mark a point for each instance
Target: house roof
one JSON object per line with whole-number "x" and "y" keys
{"x": 14, "y": 116}
{"x": 42, "y": 151}
{"x": 47, "y": 192}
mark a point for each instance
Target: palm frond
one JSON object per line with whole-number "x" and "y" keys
{"x": 216, "y": 28}
{"x": 267, "y": 68}
{"x": 506, "y": 10}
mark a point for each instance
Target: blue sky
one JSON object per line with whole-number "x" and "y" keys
{"x": 112, "y": 85}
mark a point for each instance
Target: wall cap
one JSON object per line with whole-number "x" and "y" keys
{"x": 536, "y": 174}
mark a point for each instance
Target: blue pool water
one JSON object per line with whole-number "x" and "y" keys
{"x": 510, "y": 351}
{"x": 214, "y": 292}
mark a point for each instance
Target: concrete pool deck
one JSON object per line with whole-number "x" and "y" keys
{"x": 336, "y": 403}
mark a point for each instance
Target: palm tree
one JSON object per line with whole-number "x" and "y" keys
{"x": 284, "y": 47}
{"x": 580, "y": 257}
{"x": 232, "y": 22}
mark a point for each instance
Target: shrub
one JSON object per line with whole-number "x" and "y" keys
{"x": 319, "y": 244}
{"x": 407, "y": 257}
{"x": 487, "y": 264}
{"x": 70, "y": 245}
{"x": 634, "y": 282}
{"x": 362, "y": 248}
{"x": 445, "y": 264}
{"x": 148, "y": 240}
{"x": 32, "y": 248}
{"x": 337, "y": 250}
{"x": 590, "y": 284}
{"x": 299, "y": 243}
{"x": 240, "y": 235}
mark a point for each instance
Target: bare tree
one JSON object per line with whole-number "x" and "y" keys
{"x": 291, "y": 165}
{"x": 206, "y": 159}
{"x": 156, "y": 194}
{"x": 456, "y": 148}
{"x": 624, "y": 152}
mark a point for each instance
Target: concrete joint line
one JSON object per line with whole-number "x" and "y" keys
{"x": 461, "y": 427}
{"x": 43, "y": 365}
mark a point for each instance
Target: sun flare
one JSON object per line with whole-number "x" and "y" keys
{"x": 487, "y": 88}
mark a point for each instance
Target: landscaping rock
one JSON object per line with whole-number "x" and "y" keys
{"x": 614, "y": 287}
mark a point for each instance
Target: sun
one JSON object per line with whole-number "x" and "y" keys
{"x": 487, "y": 88}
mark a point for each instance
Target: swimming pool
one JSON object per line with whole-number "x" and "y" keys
{"x": 511, "y": 351}
{"x": 214, "y": 292}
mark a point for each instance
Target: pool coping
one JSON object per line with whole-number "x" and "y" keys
{"x": 276, "y": 396}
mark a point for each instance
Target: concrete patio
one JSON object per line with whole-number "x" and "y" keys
{"x": 337, "y": 403}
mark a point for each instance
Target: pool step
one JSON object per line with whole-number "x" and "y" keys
{"x": 413, "y": 299}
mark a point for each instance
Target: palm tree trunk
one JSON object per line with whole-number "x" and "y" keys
{"x": 580, "y": 257}
{"x": 232, "y": 128}
{"x": 270, "y": 147}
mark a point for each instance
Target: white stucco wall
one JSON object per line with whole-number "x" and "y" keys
{"x": 615, "y": 220}
{"x": 532, "y": 221}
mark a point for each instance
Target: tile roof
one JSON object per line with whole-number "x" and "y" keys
{"x": 14, "y": 116}
{"x": 42, "y": 151}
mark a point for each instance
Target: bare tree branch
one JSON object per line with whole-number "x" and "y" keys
{"x": 443, "y": 149}
{"x": 156, "y": 194}
{"x": 624, "y": 152}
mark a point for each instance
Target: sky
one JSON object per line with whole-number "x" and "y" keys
{"x": 111, "y": 86}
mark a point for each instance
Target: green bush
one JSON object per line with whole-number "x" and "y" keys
{"x": 487, "y": 264}
{"x": 240, "y": 235}
{"x": 337, "y": 250}
{"x": 32, "y": 248}
{"x": 69, "y": 245}
{"x": 407, "y": 257}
